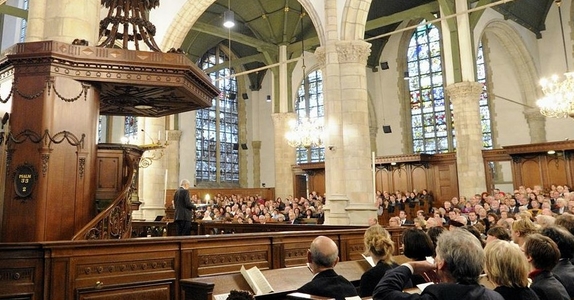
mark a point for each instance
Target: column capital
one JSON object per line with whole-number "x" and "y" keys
{"x": 283, "y": 117}
{"x": 533, "y": 113}
{"x": 464, "y": 90}
{"x": 321, "y": 56}
{"x": 173, "y": 135}
{"x": 353, "y": 51}
{"x": 256, "y": 145}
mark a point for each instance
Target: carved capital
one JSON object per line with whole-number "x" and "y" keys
{"x": 173, "y": 135}
{"x": 533, "y": 114}
{"x": 256, "y": 145}
{"x": 353, "y": 51}
{"x": 462, "y": 91}
{"x": 321, "y": 56}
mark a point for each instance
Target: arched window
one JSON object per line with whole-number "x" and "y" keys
{"x": 485, "y": 122}
{"x": 432, "y": 119}
{"x": 309, "y": 105}
{"x": 131, "y": 128}
{"x": 217, "y": 129}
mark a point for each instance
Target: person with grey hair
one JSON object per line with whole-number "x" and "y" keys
{"x": 183, "y": 208}
{"x": 459, "y": 262}
{"x": 322, "y": 257}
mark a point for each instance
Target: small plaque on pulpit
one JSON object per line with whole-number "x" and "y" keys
{"x": 24, "y": 180}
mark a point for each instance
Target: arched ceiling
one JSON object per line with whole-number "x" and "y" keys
{"x": 263, "y": 25}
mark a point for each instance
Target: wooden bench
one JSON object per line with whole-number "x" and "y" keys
{"x": 284, "y": 281}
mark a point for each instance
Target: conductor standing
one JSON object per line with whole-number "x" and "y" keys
{"x": 183, "y": 208}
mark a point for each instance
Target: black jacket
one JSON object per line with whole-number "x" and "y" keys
{"x": 547, "y": 287}
{"x": 371, "y": 278}
{"x": 329, "y": 284}
{"x": 392, "y": 285}
{"x": 509, "y": 293}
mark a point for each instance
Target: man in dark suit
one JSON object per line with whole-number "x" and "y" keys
{"x": 404, "y": 220}
{"x": 543, "y": 255}
{"x": 459, "y": 262}
{"x": 322, "y": 257}
{"x": 183, "y": 208}
{"x": 564, "y": 270}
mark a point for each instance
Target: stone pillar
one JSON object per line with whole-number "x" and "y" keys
{"x": 67, "y": 19}
{"x": 256, "y": 146}
{"x": 373, "y": 130}
{"x": 153, "y": 177}
{"x": 470, "y": 167}
{"x": 537, "y": 125}
{"x": 284, "y": 155}
{"x": 348, "y": 181}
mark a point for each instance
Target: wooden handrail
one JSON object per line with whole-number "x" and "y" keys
{"x": 115, "y": 221}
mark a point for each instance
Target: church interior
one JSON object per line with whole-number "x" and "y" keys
{"x": 108, "y": 104}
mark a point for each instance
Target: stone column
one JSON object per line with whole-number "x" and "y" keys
{"x": 284, "y": 155}
{"x": 349, "y": 182}
{"x": 537, "y": 125}
{"x": 373, "y": 130}
{"x": 256, "y": 146}
{"x": 152, "y": 182}
{"x": 470, "y": 167}
{"x": 67, "y": 19}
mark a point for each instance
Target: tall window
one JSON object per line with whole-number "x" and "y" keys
{"x": 309, "y": 105}
{"x": 432, "y": 118}
{"x": 432, "y": 128}
{"x": 131, "y": 128}
{"x": 485, "y": 122}
{"x": 24, "y": 23}
{"x": 217, "y": 129}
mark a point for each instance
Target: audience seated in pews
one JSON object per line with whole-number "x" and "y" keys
{"x": 459, "y": 263}
{"x": 380, "y": 247}
{"x": 322, "y": 257}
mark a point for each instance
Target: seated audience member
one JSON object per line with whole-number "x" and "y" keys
{"x": 497, "y": 233}
{"x": 372, "y": 221}
{"x": 544, "y": 220}
{"x": 564, "y": 270}
{"x": 507, "y": 269}
{"x": 459, "y": 262}
{"x": 394, "y": 222}
{"x": 543, "y": 255}
{"x": 417, "y": 246}
{"x": 521, "y": 229}
{"x": 239, "y": 295}
{"x": 403, "y": 218}
{"x": 380, "y": 247}
{"x": 476, "y": 233}
{"x": 434, "y": 232}
{"x": 322, "y": 257}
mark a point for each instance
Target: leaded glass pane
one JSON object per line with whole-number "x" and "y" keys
{"x": 310, "y": 107}
{"x": 483, "y": 102}
{"x": 217, "y": 127}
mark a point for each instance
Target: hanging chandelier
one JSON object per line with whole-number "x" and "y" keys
{"x": 558, "y": 100}
{"x": 305, "y": 133}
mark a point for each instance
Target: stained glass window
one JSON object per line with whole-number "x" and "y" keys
{"x": 217, "y": 129}
{"x": 431, "y": 114}
{"x": 485, "y": 122}
{"x": 309, "y": 104}
{"x": 131, "y": 128}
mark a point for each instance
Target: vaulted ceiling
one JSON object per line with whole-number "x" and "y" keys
{"x": 263, "y": 25}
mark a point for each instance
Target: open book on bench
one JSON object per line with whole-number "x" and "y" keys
{"x": 256, "y": 280}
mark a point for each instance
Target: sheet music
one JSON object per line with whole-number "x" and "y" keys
{"x": 220, "y": 296}
{"x": 370, "y": 260}
{"x": 256, "y": 280}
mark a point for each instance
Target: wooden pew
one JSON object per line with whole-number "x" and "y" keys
{"x": 284, "y": 281}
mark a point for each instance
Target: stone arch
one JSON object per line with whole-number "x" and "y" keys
{"x": 192, "y": 10}
{"x": 354, "y": 18}
{"x": 522, "y": 62}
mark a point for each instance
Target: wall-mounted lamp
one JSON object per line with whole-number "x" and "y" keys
{"x": 245, "y": 96}
{"x": 393, "y": 164}
{"x": 268, "y": 98}
{"x": 551, "y": 152}
{"x": 332, "y": 148}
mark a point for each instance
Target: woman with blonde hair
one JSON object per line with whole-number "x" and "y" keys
{"x": 380, "y": 246}
{"x": 521, "y": 229}
{"x": 507, "y": 268}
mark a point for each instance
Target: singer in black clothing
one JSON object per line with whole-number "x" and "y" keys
{"x": 183, "y": 208}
